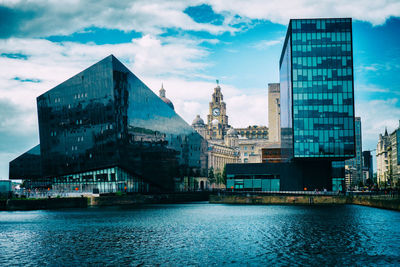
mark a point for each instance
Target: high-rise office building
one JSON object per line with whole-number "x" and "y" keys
{"x": 317, "y": 96}
{"x": 316, "y": 110}
{"x": 368, "y": 172}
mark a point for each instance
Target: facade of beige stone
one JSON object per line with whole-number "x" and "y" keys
{"x": 274, "y": 122}
{"x": 388, "y": 160}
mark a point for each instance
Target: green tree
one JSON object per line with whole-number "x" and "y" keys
{"x": 224, "y": 176}
{"x": 218, "y": 177}
{"x": 211, "y": 176}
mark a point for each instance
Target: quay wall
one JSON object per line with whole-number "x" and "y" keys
{"x": 100, "y": 201}
{"x": 148, "y": 199}
{"x": 273, "y": 199}
{"x": 371, "y": 201}
{"x": 376, "y": 202}
{"x": 45, "y": 203}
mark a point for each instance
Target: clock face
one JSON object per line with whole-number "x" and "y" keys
{"x": 215, "y": 111}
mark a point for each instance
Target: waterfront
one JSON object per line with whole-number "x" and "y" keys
{"x": 202, "y": 234}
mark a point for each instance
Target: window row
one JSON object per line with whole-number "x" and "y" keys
{"x": 321, "y": 96}
{"x": 322, "y": 62}
{"x": 335, "y": 86}
{"x": 314, "y": 75}
{"x": 321, "y": 24}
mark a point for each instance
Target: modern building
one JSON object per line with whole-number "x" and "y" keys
{"x": 368, "y": 171}
{"x": 388, "y": 159}
{"x": 316, "y": 103}
{"x": 354, "y": 165}
{"x": 5, "y": 188}
{"x": 317, "y": 96}
{"x": 104, "y": 130}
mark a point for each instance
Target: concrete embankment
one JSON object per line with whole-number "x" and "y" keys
{"x": 112, "y": 200}
{"x": 45, "y": 203}
{"x": 371, "y": 201}
{"x": 376, "y": 202}
{"x": 138, "y": 199}
{"x": 273, "y": 199}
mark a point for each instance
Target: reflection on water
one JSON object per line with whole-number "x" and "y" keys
{"x": 202, "y": 234}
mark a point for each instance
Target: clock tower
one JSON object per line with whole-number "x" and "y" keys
{"x": 217, "y": 119}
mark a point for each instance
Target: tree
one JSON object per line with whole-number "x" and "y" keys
{"x": 224, "y": 176}
{"x": 211, "y": 176}
{"x": 218, "y": 177}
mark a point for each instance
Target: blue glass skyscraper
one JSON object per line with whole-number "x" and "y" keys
{"x": 317, "y": 90}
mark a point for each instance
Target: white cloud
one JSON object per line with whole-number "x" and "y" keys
{"x": 263, "y": 44}
{"x": 45, "y": 18}
{"x": 281, "y": 11}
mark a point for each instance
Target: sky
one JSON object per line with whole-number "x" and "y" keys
{"x": 186, "y": 45}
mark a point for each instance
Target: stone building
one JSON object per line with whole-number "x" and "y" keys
{"x": 217, "y": 119}
{"x": 382, "y": 158}
{"x": 388, "y": 159}
{"x": 274, "y": 122}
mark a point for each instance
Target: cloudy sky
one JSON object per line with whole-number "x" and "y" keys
{"x": 186, "y": 45}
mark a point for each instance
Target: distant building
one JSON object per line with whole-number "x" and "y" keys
{"x": 217, "y": 120}
{"x": 382, "y": 159}
{"x": 220, "y": 155}
{"x": 253, "y": 132}
{"x": 355, "y": 165}
{"x": 225, "y": 143}
{"x": 251, "y": 150}
{"x": 388, "y": 159}
{"x": 274, "y": 123}
{"x": 164, "y": 98}
{"x": 368, "y": 172}
{"x": 104, "y": 130}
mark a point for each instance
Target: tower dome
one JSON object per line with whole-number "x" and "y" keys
{"x": 163, "y": 98}
{"x": 198, "y": 121}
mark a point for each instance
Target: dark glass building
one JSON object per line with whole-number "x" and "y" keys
{"x": 105, "y": 130}
{"x": 317, "y": 96}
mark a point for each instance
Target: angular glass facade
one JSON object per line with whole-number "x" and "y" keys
{"x": 104, "y": 124}
{"x": 317, "y": 93}
{"x": 27, "y": 166}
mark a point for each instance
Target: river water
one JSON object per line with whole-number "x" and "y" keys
{"x": 202, "y": 234}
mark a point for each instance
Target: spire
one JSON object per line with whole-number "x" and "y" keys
{"x": 162, "y": 91}
{"x": 386, "y": 133}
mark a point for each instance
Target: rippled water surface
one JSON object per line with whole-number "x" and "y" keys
{"x": 202, "y": 234}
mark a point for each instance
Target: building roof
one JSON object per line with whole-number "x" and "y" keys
{"x": 198, "y": 121}
{"x": 164, "y": 98}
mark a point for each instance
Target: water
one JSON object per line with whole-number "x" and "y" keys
{"x": 201, "y": 235}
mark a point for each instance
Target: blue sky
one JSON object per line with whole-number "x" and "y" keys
{"x": 186, "y": 45}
